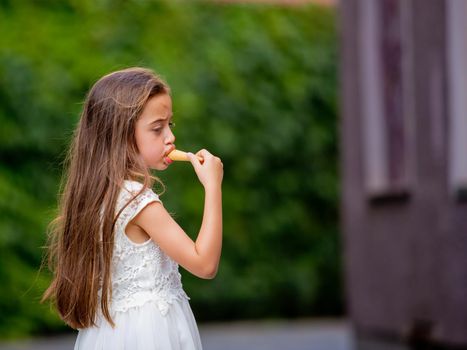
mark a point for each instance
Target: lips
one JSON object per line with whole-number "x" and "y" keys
{"x": 166, "y": 158}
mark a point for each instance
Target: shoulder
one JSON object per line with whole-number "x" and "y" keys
{"x": 132, "y": 187}
{"x": 135, "y": 195}
{"x": 133, "y": 198}
{"x": 135, "y": 188}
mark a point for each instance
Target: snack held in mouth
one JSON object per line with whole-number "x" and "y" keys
{"x": 178, "y": 155}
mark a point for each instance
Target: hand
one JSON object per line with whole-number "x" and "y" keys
{"x": 211, "y": 171}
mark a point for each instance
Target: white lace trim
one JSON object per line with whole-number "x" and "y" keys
{"x": 132, "y": 188}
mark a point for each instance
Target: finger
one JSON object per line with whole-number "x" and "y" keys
{"x": 193, "y": 159}
{"x": 204, "y": 153}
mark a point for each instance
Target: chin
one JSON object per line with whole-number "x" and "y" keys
{"x": 161, "y": 166}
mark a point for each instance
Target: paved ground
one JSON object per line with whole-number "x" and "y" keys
{"x": 301, "y": 335}
{"x": 271, "y": 335}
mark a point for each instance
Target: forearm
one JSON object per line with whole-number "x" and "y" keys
{"x": 209, "y": 240}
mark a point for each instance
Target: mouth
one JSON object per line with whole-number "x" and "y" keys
{"x": 167, "y": 160}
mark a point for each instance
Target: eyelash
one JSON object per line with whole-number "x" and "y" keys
{"x": 171, "y": 125}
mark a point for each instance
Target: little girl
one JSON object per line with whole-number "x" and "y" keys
{"x": 114, "y": 248}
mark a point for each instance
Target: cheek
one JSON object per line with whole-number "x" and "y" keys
{"x": 150, "y": 146}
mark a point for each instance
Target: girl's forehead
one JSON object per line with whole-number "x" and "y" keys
{"x": 159, "y": 106}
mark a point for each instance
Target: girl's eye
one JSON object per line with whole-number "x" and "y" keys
{"x": 159, "y": 130}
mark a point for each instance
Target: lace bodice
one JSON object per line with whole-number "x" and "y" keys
{"x": 141, "y": 272}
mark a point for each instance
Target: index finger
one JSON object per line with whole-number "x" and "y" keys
{"x": 203, "y": 153}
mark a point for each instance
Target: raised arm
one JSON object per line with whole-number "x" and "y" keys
{"x": 201, "y": 257}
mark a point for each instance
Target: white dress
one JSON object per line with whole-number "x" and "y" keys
{"x": 149, "y": 307}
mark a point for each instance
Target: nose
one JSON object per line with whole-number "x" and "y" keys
{"x": 170, "y": 137}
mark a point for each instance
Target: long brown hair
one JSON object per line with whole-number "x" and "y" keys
{"x": 102, "y": 155}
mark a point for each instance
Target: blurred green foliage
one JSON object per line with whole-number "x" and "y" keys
{"x": 254, "y": 84}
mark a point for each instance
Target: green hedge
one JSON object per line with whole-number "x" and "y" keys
{"x": 254, "y": 84}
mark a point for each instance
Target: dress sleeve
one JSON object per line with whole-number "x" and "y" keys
{"x": 137, "y": 204}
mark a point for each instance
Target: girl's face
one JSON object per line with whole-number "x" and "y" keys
{"x": 153, "y": 133}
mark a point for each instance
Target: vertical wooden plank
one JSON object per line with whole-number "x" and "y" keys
{"x": 457, "y": 70}
{"x": 374, "y": 136}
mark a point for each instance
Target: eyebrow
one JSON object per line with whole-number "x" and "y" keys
{"x": 160, "y": 120}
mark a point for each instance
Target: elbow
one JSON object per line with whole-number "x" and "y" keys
{"x": 209, "y": 272}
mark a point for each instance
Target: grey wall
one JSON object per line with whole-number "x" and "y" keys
{"x": 405, "y": 257}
